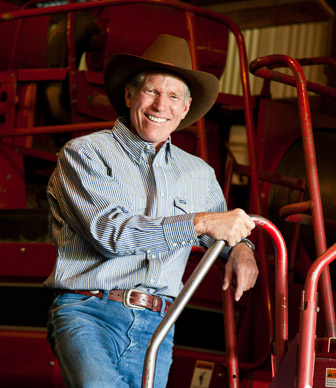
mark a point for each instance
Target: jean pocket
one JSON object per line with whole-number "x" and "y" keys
{"x": 69, "y": 299}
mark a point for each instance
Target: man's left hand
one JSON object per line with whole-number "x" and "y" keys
{"x": 241, "y": 263}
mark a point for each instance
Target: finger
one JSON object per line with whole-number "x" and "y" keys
{"x": 243, "y": 283}
{"x": 238, "y": 294}
{"x": 232, "y": 241}
{"x": 250, "y": 224}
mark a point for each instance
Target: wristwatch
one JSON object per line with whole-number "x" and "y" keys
{"x": 244, "y": 241}
{"x": 247, "y": 242}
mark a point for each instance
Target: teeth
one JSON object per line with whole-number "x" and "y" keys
{"x": 156, "y": 119}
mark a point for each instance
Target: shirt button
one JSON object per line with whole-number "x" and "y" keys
{"x": 183, "y": 242}
{"x": 191, "y": 241}
{"x": 148, "y": 251}
{"x": 151, "y": 281}
{"x": 162, "y": 194}
{"x": 153, "y": 256}
{"x": 156, "y": 165}
{"x": 174, "y": 244}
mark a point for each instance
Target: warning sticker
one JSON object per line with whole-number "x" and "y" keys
{"x": 330, "y": 377}
{"x": 202, "y": 374}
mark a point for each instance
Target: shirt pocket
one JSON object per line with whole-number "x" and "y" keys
{"x": 185, "y": 206}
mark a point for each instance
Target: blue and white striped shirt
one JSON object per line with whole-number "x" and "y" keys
{"x": 123, "y": 214}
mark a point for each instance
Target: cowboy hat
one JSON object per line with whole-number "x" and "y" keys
{"x": 169, "y": 53}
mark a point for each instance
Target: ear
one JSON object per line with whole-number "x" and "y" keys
{"x": 128, "y": 97}
{"x": 186, "y": 109}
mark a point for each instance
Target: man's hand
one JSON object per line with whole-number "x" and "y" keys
{"x": 241, "y": 263}
{"x": 229, "y": 226}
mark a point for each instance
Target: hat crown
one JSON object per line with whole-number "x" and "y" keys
{"x": 170, "y": 50}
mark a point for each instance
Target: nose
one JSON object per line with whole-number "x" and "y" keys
{"x": 159, "y": 102}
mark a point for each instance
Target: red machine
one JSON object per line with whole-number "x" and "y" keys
{"x": 45, "y": 99}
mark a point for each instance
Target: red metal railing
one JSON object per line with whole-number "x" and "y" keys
{"x": 309, "y": 309}
{"x": 281, "y": 335}
{"x": 258, "y": 67}
{"x": 293, "y": 212}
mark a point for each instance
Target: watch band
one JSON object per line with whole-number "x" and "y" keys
{"x": 248, "y": 243}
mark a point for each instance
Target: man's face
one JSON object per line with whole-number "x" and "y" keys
{"x": 157, "y": 108}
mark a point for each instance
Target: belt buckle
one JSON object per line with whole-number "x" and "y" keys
{"x": 126, "y": 299}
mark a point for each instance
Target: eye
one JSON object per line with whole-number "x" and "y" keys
{"x": 175, "y": 97}
{"x": 150, "y": 92}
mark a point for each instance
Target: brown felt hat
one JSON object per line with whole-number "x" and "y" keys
{"x": 168, "y": 53}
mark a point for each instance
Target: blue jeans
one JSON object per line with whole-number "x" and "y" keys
{"x": 100, "y": 343}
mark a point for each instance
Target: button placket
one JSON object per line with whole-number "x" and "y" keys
{"x": 160, "y": 192}
{"x": 153, "y": 269}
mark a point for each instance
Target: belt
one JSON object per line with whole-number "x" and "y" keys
{"x": 131, "y": 299}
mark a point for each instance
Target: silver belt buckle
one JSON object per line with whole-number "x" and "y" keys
{"x": 127, "y": 297}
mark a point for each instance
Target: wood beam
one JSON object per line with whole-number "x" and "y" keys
{"x": 265, "y": 13}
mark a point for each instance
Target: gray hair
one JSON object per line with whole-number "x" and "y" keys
{"x": 137, "y": 81}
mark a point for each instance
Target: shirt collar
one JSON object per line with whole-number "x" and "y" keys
{"x": 134, "y": 145}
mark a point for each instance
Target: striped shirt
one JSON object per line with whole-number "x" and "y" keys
{"x": 122, "y": 214}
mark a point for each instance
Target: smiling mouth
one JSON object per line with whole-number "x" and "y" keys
{"x": 156, "y": 119}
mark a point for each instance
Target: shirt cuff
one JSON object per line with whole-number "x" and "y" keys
{"x": 179, "y": 231}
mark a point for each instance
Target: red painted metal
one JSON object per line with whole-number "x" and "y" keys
{"x": 72, "y": 62}
{"x": 18, "y": 260}
{"x": 306, "y": 219}
{"x": 308, "y": 318}
{"x": 202, "y": 140}
{"x": 295, "y": 208}
{"x": 281, "y": 285}
{"x": 228, "y": 306}
{"x": 230, "y": 339}
{"x": 197, "y": 277}
{"x": 291, "y": 214}
{"x": 257, "y": 68}
{"x": 92, "y": 126}
{"x": 13, "y": 194}
{"x": 26, "y": 113}
{"x": 40, "y": 355}
{"x": 40, "y": 74}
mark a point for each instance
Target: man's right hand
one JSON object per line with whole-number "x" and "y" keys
{"x": 229, "y": 226}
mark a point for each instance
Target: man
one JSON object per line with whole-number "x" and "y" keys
{"x": 127, "y": 207}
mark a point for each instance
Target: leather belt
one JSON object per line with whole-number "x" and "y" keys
{"x": 131, "y": 299}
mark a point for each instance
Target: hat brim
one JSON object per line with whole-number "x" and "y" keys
{"x": 120, "y": 69}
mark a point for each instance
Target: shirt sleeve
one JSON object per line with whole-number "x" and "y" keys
{"x": 91, "y": 202}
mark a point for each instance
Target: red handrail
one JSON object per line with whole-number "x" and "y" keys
{"x": 196, "y": 278}
{"x": 308, "y": 316}
{"x": 281, "y": 285}
{"x": 257, "y": 67}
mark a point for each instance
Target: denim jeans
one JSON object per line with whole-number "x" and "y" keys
{"x": 100, "y": 343}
